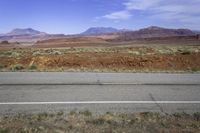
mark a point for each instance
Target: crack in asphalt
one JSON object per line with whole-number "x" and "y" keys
{"x": 158, "y": 105}
{"x": 98, "y": 80}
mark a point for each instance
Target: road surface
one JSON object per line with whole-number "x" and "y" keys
{"x": 99, "y": 92}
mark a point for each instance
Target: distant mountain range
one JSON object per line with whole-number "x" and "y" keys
{"x": 196, "y": 31}
{"x": 31, "y": 35}
{"x": 99, "y": 30}
{"x": 28, "y": 31}
{"x": 151, "y": 32}
{"x": 27, "y": 35}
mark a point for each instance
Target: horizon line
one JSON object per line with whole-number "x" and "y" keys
{"x": 23, "y": 28}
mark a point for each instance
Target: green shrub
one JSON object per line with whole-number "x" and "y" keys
{"x": 99, "y": 121}
{"x": 4, "y": 131}
{"x": 2, "y": 66}
{"x": 33, "y": 67}
{"x": 60, "y": 113}
{"x": 73, "y": 112}
{"x": 17, "y": 67}
{"x": 194, "y": 70}
{"x": 186, "y": 53}
{"x": 15, "y": 54}
{"x": 177, "y": 115}
{"x": 86, "y": 113}
{"x": 48, "y": 50}
{"x": 7, "y": 53}
{"x": 57, "y": 52}
{"x": 37, "y": 53}
{"x": 197, "y": 116}
{"x": 10, "y": 54}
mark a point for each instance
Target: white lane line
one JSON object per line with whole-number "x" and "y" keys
{"x": 98, "y": 83}
{"x": 101, "y": 102}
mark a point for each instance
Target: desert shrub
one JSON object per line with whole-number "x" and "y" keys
{"x": 49, "y": 51}
{"x": 194, "y": 70}
{"x": 33, "y": 67}
{"x": 177, "y": 115}
{"x": 165, "y": 51}
{"x": 73, "y": 112}
{"x": 60, "y": 113}
{"x": 86, "y": 113}
{"x": 37, "y": 53}
{"x": 14, "y": 54}
{"x": 2, "y": 66}
{"x": 57, "y": 52}
{"x": 17, "y": 67}
{"x": 8, "y": 53}
{"x": 4, "y": 130}
{"x": 134, "y": 52}
{"x": 186, "y": 52}
{"x": 98, "y": 121}
{"x": 197, "y": 116}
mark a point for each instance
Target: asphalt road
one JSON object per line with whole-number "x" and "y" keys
{"x": 53, "y": 78}
{"x": 99, "y": 92}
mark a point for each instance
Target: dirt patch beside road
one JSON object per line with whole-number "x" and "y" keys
{"x": 110, "y": 61}
{"x": 119, "y": 59}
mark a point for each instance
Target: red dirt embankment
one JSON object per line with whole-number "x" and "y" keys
{"x": 109, "y": 61}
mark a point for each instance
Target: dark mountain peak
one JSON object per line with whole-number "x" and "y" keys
{"x": 154, "y": 32}
{"x": 99, "y": 30}
{"x": 161, "y": 30}
{"x": 156, "y": 28}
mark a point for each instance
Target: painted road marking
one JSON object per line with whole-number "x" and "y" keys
{"x": 127, "y": 83}
{"x": 101, "y": 102}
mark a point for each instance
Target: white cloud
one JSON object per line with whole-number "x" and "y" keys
{"x": 179, "y": 8}
{"x": 140, "y": 4}
{"x": 118, "y": 15}
{"x": 177, "y": 17}
{"x": 184, "y": 12}
{"x": 129, "y": 6}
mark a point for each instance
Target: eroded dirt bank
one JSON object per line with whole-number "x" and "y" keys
{"x": 110, "y": 61}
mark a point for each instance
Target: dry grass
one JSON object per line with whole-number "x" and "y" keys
{"x": 138, "y": 50}
{"x": 85, "y": 121}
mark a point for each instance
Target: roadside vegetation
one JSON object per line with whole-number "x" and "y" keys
{"x": 85, "y": 121}
{"x": 33, "y": 67}
{"x": 17, "y": 67}
{"x": 103, "y": 59}
{"x": 2, "y": 66}
{"x": 137, "y": 50}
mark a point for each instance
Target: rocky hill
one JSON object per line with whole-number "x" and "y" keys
{"x": 151, "y": 32}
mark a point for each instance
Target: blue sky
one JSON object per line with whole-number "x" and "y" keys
{"x": 75, "y": 16}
